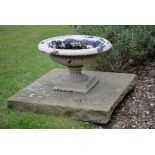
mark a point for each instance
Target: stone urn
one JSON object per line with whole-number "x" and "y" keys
{"x": 74, "y": 51}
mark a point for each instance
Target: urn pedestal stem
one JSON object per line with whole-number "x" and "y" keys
{"x": 76, "y": 75}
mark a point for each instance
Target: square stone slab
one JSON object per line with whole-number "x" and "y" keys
{"x": 95, "y": 106}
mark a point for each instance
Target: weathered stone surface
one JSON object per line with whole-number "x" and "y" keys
{"x": 96, "y": 106}
{"x": 62, "y": 82}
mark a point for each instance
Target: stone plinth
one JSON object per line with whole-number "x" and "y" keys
{"x": 95, "y": 106}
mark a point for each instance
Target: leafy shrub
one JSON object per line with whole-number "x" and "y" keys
{"x": 131, "y": 44}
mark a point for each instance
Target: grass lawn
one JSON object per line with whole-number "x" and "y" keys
{"x": 20, "y": 64}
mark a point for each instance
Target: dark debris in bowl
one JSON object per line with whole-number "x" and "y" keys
{"x": 74, "y": 44}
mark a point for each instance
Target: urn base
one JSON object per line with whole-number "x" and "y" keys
{"x": 70, "y": 83}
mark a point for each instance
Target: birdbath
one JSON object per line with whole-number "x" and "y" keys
{"x": 74, "y": 51}
{"x": 53, "y": 94}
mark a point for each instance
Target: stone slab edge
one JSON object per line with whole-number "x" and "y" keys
{"x": 96, "y": 116}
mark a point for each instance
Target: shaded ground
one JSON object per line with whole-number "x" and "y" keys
{"x": 137, "y": 110}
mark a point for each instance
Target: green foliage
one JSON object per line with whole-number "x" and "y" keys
{"x": 131, "y": 44}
